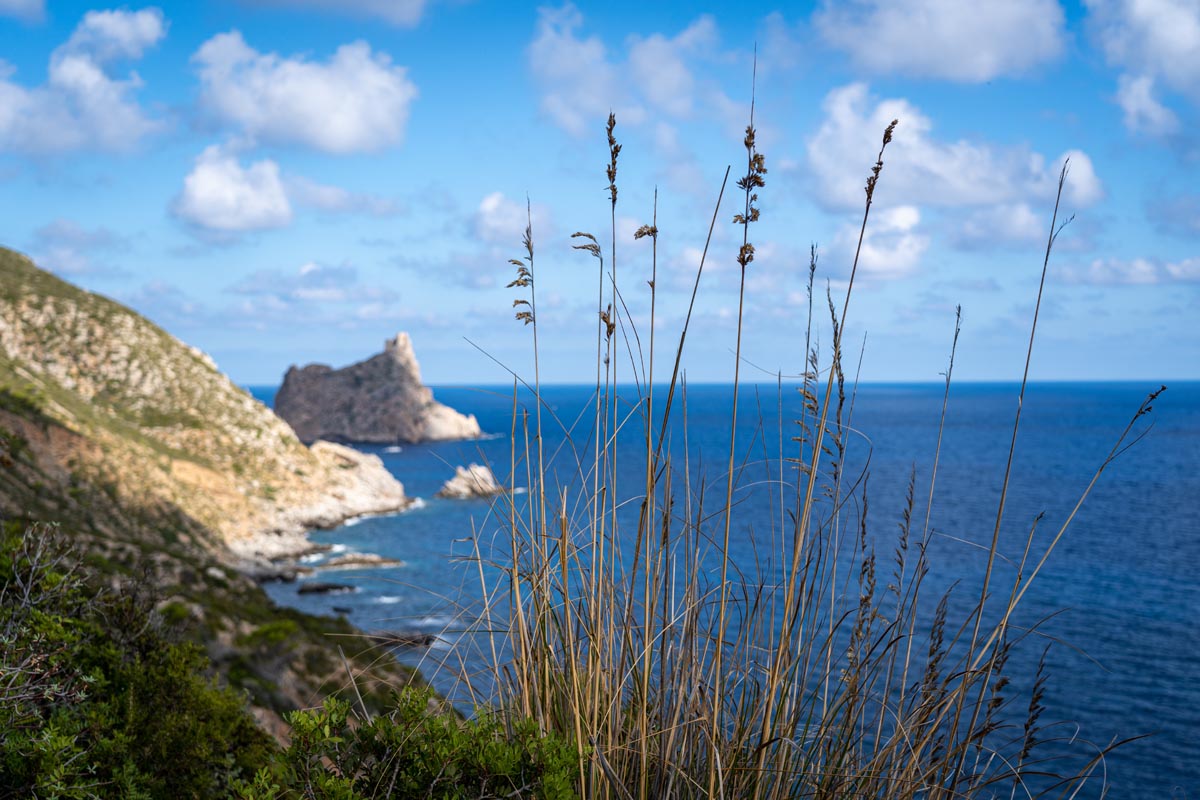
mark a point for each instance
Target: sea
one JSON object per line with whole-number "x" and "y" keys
{"x": 1118, "y": 600}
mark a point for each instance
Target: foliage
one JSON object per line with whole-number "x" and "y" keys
{"x": 412, "y": 752}
{"x": 619, "y": 620}
{"x": 98, "y": 698}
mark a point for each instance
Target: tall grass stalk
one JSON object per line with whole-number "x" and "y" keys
{"x": 625, "y": 625}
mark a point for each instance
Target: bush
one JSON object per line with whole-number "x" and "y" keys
{"x": 99, "y": 698}
{"x": 415, "y": 752}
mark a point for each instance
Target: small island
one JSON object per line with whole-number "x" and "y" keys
{"x": 377, "y": 401}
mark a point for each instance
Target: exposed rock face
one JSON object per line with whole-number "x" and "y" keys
{"x": 99, "y": 395}
{"x": 380, "y": 400}
{"x": 468, "y": 482}
{"x": 158, "y": 468}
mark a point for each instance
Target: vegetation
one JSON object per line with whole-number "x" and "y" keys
{"x": 631, "y": 655}
{"x": 411, "y": 752}
{"x": 818, "y": 671}
{"x": 99, "y": 697}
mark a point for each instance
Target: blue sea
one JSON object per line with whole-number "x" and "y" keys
{"x": 1120, "y": 596}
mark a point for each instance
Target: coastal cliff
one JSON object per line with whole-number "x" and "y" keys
{"x": 161, "y": 471}
{"x": 380, "y": 400}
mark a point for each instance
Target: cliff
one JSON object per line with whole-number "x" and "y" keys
{"x": 162, "y": 471}
{"x": 380, "y": 400}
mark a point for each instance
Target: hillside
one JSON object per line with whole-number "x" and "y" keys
{"x": 162, "y": 471}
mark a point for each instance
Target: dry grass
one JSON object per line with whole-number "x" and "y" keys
{"x": 803, "y": 674}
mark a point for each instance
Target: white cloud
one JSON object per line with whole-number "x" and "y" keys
{"x": 1143, "y": 112}
{"x": 501, "y": 221}
{"x": 27, "y": 10}
{"x": 1159, "y": 38}
{"x": 404, "y": 13}
{"x": 892, "y": 246}
{"x": 1154, "y": 41}
{"x": 1007, "y": 223}
{"x": 1134, "y": 272}
{"x": 657, "y": 65}
{"x": 579, "y": 84}
{"x": 81, "y": 104}
{"x": 357, "y": 101}
{"x": 652, "y": 79}
{"x": 970, "y": 42}
{"x": 105, "y": 36}
{"x": 221, "y": 196}
{"x": 335, "y": 199}
{"x": 920, "y": 169}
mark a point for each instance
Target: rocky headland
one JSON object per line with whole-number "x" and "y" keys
{"x": 380, "y": 401}
{"x": 160, "y": 470}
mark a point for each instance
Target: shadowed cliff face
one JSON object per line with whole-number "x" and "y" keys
{"x": 380, "y": 400}
{"x": 163, "y": 472}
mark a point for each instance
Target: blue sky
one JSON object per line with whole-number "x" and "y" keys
{"x": 287, "y": 181}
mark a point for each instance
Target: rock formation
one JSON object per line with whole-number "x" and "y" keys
{"x": 156, "y": 466}
{"x": 380, "y": 401}
{"x": 468, "y": 482}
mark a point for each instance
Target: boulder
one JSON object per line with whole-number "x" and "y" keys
{"x": 379, "y": 401}
{"x": 475, "y": 480}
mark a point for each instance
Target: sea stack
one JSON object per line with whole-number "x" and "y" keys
{"x": 378, "y": 401}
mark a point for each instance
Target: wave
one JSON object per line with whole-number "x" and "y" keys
{"x": 388, "y": 599}
{"x": 395, "y": 448}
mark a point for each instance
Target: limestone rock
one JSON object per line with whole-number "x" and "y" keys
{"x": 469, "y": 482}
{"x": 101, "y": 397}
{"x": 380, "y": 401}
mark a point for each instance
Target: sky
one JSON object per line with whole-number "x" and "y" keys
{"x": 283, "y": 182}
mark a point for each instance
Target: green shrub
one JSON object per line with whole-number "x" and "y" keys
{"x": 99, "y": 699}
{"x": 415, "y": 752}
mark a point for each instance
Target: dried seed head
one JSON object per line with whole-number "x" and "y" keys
{"x": 646, "y": 230}
{"x": 614, "y": 150}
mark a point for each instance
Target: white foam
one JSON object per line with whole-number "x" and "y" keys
{"x": 394, "y": 449}
{"x": 388, "y": 599}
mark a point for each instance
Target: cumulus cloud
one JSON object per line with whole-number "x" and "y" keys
{"x": 82, "y": 104}
{"x": 652, "y": 79}
{"x": 357, "y": 101}
{"x": 1134, "y": 272}
{"x": 1009, "y": 223}
{"x": 920, "y": 169}
{"x": 1154, "y": 42}
{"x": 403, "y": 13}
{"x": 223, "y": 197}
{"x": 27, "y": 10}
{"x": 579, "y": 84}
{"x": 1160, "y": 38}
{"x": 658, "y": 68}
{"x": 1143, "y": 112}
{"x": 501, "y": 221}
{"x": 969, "y": 42}
{"x": 892, "y": 247}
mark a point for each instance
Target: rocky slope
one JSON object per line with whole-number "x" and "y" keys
{"x": 165, "y": 472}
{"x": 380, "y": 400}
